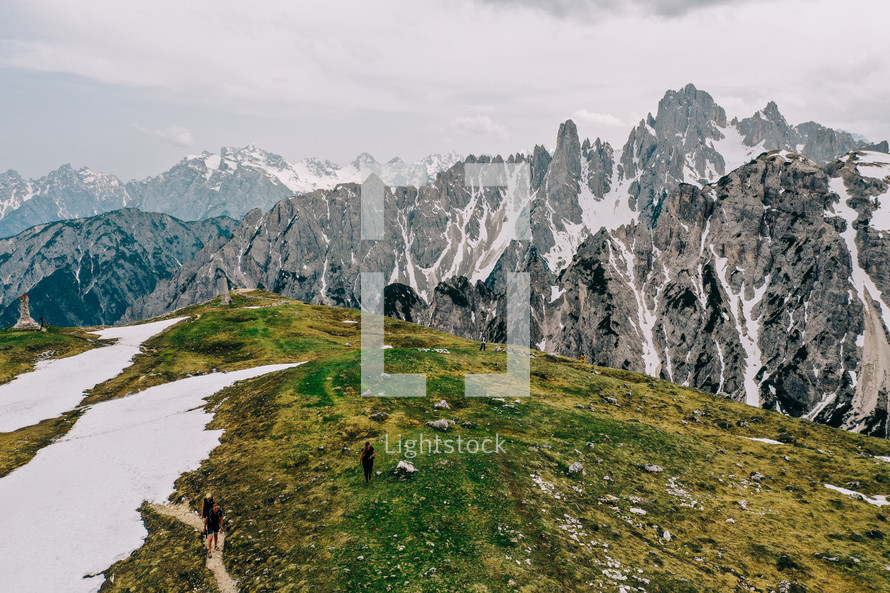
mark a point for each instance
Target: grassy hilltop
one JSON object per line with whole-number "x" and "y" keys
{"x": 725, "y": 513}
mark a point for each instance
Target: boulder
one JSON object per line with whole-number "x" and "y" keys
{"x": 405, "y": 468}
{"x": 441, "y": 425}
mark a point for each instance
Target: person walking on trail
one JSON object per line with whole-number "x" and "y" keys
{"x": 213, "y": 524}
{"x": 207, "y": 505}
{"x": 482, "y": 346}
{"x": 367, "y": 459}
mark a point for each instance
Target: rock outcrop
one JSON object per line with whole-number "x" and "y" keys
{"x": 25, "y": 322}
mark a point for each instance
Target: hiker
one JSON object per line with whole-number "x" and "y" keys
{"x": 207, "y": 505}
{"x": 583, "y": 358}
{"x": 482, "y": 347}
{"x": 213, "y": 523}
{"x": 367, "y": 459}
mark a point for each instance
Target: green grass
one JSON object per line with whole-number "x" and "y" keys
{"x": 301, "y": 519}
{"x": 19, "y": 351}
{"x": 170, "y": 561}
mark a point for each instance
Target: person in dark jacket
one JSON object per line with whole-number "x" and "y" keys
{"x": 213, "y": 524}
{"x": 367, "y": 459}
{"x": 207, "y": 505}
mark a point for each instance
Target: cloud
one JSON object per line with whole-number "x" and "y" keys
{"x": 477, "y": 125}
{"x": 591, "y": 118}
{"x": 389, "y": 77}
{"x": 600, "y": 8}
{"x": 173, "y": 134}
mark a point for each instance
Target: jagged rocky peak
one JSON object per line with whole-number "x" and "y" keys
{"x": 364, "y": 161}
{"x": 768, "y": 130}
{"x": 251, "y": 155}
{"x": 539, "y": 163}
{"x": 675, "y": 146}
{"x": 882, "y": 146}
{"x": 597, "y": 166}
{"x": 823, "y": 144}
{"x": 690, "y": 114}
{"x": 565, "y": 167}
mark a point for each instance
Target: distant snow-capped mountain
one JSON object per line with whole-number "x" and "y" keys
{"x": 62, "y": 194}
{"x": 230, "y": 183}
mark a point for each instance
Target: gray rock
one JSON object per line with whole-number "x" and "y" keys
{"x": 405, "y": 468}
{"x": 442, "y": 425}
{"x": 652, "y": 468}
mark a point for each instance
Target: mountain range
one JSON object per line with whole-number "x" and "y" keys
{"x": 204, "y": 186}
{"x": 743, "y": 257}
{"x": 89, "y": 271}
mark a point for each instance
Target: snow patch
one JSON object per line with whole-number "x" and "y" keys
{"x": 879, "y": 500}
{"x": 56, "y": 386}
{"x": 767, "y": 441}
{"x": 119, "y": 453}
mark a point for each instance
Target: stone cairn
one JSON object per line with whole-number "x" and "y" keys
{"x": 223, "y": 284}
{"x": 25, "y": 322}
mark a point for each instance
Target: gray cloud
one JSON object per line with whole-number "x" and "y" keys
{"x": 600, "y": 8}
{"x": 477, "y": 125}
{"x": 173, "y": 134}
{"x": 332, "y": 80}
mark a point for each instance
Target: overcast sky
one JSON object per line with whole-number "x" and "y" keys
{"x": 130, "y": 87}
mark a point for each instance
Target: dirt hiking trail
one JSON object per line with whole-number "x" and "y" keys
{"x": 184, "y": 513}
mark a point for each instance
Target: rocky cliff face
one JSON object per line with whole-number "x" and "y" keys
{"x": 769, "y": 286}
{"x": 88, "y": 271}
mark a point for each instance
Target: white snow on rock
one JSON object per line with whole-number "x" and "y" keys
{"x": 879, "y": 500}
{"x": 56, "y": 386}
{"x": 875, "y": 347}
{"x": 733, "y": 149}
{"x": 72, "y": 511}
{"x": 877, "y": 165}
{"x": 767, "y": 441}
{"x": 872, "y": 164}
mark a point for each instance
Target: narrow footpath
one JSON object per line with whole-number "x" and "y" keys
{"x": 224, "y": 580}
